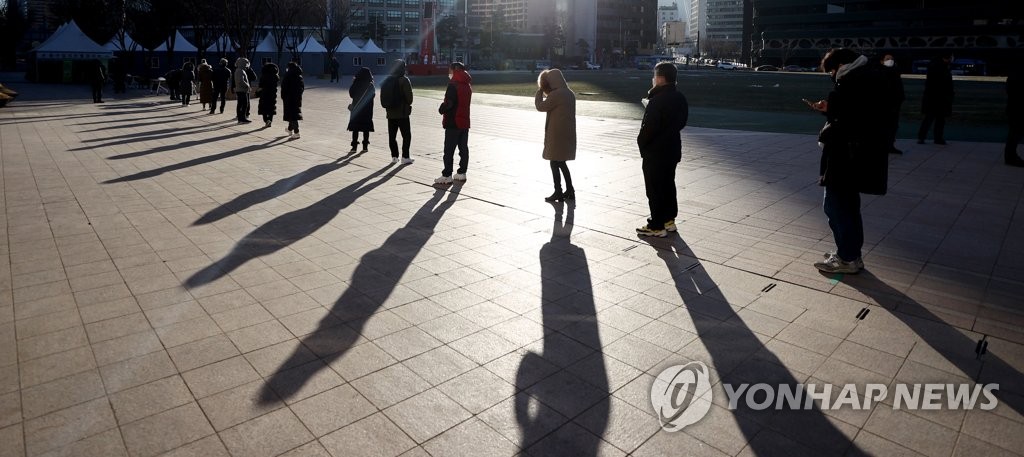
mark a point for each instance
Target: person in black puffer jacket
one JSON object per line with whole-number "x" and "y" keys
{"x": 268, "y": 93}
{"x": 661, "y": 148}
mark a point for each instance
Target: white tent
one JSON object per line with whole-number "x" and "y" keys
{"x": 115, "y": 43}
{"x": 310, "y": 45}
{"x": 69, "y": 43}
{"x": 223, "y": 45}
{"x": 268, "y": 44}
{"x": 371, "y": 47}
{"x": 348, "y": 47}
{"x": 180, "y": 45}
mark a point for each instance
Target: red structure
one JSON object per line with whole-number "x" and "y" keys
{"x": 427, "y": 63}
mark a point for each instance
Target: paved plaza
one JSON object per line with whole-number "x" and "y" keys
{"x": 176, "y": 284}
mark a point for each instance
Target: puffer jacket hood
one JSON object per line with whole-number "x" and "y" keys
{"x": 555, "y": 79}
{"x": 241, "y": 62}
{"x": 364, "y": 74}
{"x": 398, "y": 68}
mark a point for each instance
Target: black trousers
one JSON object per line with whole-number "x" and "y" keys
{"x": 242, "y": 109}
{"x": 293, "y": 125}
{"x": 1014, "y": 135}
{"x": 355, "y": 139}
{"x": 394, "y": 126}
{"x": 222, "y": 95}
{"x": 560, "y": 167}
{"x": 97, "y": 92}
{"x": 455, "y": 138}
{"x": 660, "y": 183}
{"x": 926, "y": 123}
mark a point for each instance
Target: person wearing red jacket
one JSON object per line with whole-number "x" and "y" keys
{"x": 455, "y": 120}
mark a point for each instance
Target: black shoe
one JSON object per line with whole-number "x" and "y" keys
{"x": 244, "y": 121}
{"x": 555, "y": 197}
{"x": 569, "y": 195}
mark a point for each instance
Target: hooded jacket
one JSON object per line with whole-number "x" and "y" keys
{"x": 560, "y": 125}
{"x": 362, "y": 93}
{"x": 205, "y": 73}
{"x": 455, "y": 108}
{"x": 241, "y": 81}
{"x": 292, "y": 87}
{"x": 403, "y": 92}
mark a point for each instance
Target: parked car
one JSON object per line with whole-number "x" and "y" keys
{"x": 726, "y": 65}
{"x": 591, "y": 66}
{"x": 542, "y": 65}
{"x": 767, "y": 68}
{"x": 795, "y": 68}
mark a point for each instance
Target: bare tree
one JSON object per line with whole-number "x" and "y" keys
{"x": 206, "y": 19}
{"x": 287, "y": 18}
{"x": 338, "y": 15}
{"x": 242, "y": 18}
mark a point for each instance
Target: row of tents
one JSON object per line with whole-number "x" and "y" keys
{"x": 64, "y": 56}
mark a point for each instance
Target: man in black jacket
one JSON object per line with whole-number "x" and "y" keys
{"x": 220, "y": 79}
{"x": 661, "y": 149}
{"x": 854, "y": 158}
{"x": 937, "y": 101}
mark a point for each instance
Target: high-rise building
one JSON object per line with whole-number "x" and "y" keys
{"x": 522, "y": 16}
{"x": 395, "y": 23}
{"x": 720, "y": 25}
{"x": 801, "y": 31}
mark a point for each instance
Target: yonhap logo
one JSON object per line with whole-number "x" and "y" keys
{"x": 674, "y": 395}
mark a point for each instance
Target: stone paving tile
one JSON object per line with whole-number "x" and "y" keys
{"x": 61, "y": 428}
{"x": 268, "y": 435}
{"x": 166, "y": 431}
{"x": 389, "y": 440}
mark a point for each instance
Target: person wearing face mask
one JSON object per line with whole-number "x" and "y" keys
{"x": 895, "y": 102}
{"x": 455, "y": 120}
{"x": 662, "y": 149}
{"x": 854, "y": 156}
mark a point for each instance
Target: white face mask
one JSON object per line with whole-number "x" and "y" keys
{"x": 889, "y": 63}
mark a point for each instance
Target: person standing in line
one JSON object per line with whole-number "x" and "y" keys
{"x": 937, "y": 101}
{"x": 173, "y": 80}
{"x": 361, "y": 109}
{"x": 96, "y": 80}
{"x": 662, "y": 149}
{"x": 334, "y": 70}
{"x": 559, "y": 102}
{"x": 221, "y": 78}
{"x": 188, "y": 76}
{"x": 269, "y": 77}
{"x": 1015, "y": 116}
{"x": 396, "y": 99}
{"x": 854, "y": 155}
{"x": 292, "y": 87}
{"x": 241, "y": 87}
{"x": 205, "y": 73}
{"x": 897, "y": 96}
{"x": 454, "y": 112}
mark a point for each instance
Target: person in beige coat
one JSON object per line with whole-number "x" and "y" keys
{"x": 559, "y": 102}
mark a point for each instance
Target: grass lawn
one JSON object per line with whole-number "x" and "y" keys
{"x": 759, "y": 101}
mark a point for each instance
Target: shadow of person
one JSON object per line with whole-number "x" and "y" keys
{"x": 284, "y": 230}
{"x": 191, "y": 163}
{"x": 165, "y": 148}
{"x": 277, "y": 189}
{"x": 952, "y": 344}
{"x": 548, "y": 404}
{"x": 135, "y": 137}
{"x": 737, "y": 355}
{"x": 373, "y": 280}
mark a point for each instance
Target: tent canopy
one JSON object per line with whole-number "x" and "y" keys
{"x": 222, "y": 44}
{"x": 371, "y": 47}
{"x": 268, "y": 44}
{"x": 310, "y": 45}
{"x": 347, "y": 46}
{"x": 68, "y": 42}
{"x": 180, "y": 44}
{"x": 115, "y": 43}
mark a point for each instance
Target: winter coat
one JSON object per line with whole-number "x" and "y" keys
{"x": 99, "y": 75}
{"x": 291, "y": 93}
{"x": 362, "y": 93}
{"x": 205, "y": 83}
{"x": 855, "y": 155}
{"x": 187, "y": 77}
{"x": 938, "y": 90}
{"x": 665, "y": 116}
{"x": 173, "y": 78}
{"x": 241, "y": 77}
{"x": 220, "y": 79}
{"x": 560, "y": 125}
{"x": 268, "y": 94}
{"x": 455, "y": 107}
{"x": 402, "y": 95}
{"x": 1015, "y": 96}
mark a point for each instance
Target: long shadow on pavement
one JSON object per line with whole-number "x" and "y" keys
{"x": 169, "y": 147}
{"x": 953, "y": 345}
{"x": 130, "y": 124}
{"x": 730, "y": 350}
{"x": 374, "y": 279}
{"x": 545, "y": 406}
{"x": 146, "y": 136}
{"x": 277, "y": 189}
{"x": 191, "y": 163}
{"x": 286, "y": 229}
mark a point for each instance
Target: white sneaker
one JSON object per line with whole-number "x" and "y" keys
{"x": 407, "y": 161}
{"x": 289, "y": 130}
{"x": 267, "y": 123}
{"x": 834, "y": 264}
{"x": 459, "y": 177}
{"x": 443, "y": 180}
{"x": 295, "y": 136}
{"x": 394, "y": 160}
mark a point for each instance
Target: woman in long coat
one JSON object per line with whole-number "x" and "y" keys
{"x": 292, "y": 87}
{"x": 188, "y": 76}
{"x": 559, "y": 102}
{"x": 361, "y": 117}
{"x": 205, "y": 83}
{"x": 268, "y": 92}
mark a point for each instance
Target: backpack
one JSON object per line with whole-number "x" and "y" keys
{"x": 389, "y": 93}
